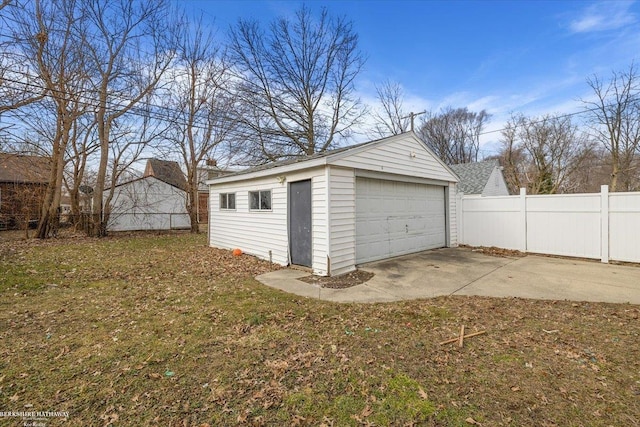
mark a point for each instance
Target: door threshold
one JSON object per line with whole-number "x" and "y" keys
{"x": 301, "y": 268}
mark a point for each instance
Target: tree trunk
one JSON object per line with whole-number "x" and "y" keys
{"x": 193, "y": 216}
{"x": 97, "y": 227}
{"x": 615, "y": 171}
{"x": 50, "y": 214}
{"x": 192, "y": 202}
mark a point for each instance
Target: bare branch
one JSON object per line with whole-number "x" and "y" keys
{"x": 390, "y": 117}
{"x": 543, "y": 154}
{"x": 454, "y": 134}
{"x": 298, "y": 77}
{"x": 615, "y": 116}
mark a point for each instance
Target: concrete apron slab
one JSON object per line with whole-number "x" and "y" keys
{"x": 458, "y": 271}
{"x": 431, "y": 273}
{"x": 287, "y": 280}
{"x": 540, "y": 277}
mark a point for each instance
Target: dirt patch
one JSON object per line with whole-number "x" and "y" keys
{"x": 348, "y": 280}
{"x": 509, "y": 253}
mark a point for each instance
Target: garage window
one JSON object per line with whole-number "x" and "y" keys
{"x": 260, "y": 200}
{"x": 227, "y": 201}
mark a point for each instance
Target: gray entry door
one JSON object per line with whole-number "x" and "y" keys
{"x": 300, "y": 222}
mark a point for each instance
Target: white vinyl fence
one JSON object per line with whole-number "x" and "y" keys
{"x": 603, "y": 225}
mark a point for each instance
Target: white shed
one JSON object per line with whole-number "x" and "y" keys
{"x": 156, "y": 201}
{"x": 332, "y": 211}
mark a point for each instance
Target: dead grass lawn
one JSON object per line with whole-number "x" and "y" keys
{"x": 162, "y": 330}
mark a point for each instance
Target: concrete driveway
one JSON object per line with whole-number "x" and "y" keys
{"x": 460, "y": 271}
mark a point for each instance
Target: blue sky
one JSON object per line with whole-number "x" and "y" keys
{"x": 531, "y": 57}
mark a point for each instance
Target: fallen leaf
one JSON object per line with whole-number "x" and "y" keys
{"x": 297, "y": 420}
{"x": 423, "y": 394}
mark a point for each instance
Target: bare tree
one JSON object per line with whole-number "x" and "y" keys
{"x": 390, "y": 117}
{"x": 50, "y": 38}
{"x": 543, "y": 154}
{"x": 595, "y": 170}
{"x": 298, "y": 77}
{"x": 454, "y": 134}
{"x": 512, "y": 157}
{"x": 83, "y": 145}
{"x": 615, "y": 115}
{"x": 18, "y": 87}
{"x": 199, "y": 96}
{"x": 128, "y": 51}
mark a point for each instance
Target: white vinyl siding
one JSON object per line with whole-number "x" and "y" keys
{"x": 148, "y": 204}
{"x": 496, "y": 185}
{"x": 452, "y": 216}
{"x": 343, "y": 223}
{"x": 257, "y": 232}
{"x": 403, "y": 155}
{"x": 319, "y": 229}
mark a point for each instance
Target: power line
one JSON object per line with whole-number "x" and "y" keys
{"x": 166, "y": 113}
{"x": 95, "y": 103}
{"x": 559, "y": 116}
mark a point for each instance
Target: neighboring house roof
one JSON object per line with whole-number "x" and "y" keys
{"x": 210, "y": 172}
{"x": 166, "y": 171}
{"x": 317, "y": 159}
{"x": 24, "y": 169}
{"x": 474, "y": 176}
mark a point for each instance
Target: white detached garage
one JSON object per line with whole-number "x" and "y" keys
{"x": 332, "y": 211}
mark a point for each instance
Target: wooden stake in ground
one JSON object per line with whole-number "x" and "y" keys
{"x": 461, "y": 338}
{"x": 457, "y": 339}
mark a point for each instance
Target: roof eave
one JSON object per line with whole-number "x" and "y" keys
{"x": 327, "y": 160}
{"x": 293, "y": 167}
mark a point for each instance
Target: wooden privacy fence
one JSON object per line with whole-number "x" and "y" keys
{"x": 603, "y": 225}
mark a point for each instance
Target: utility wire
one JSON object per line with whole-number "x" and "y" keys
{"x": 166, "y": 113}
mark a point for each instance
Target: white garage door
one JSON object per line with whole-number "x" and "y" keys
{"x": 396, "y": 218}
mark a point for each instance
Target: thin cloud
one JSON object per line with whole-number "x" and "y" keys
{"x": 603, "y": 16}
